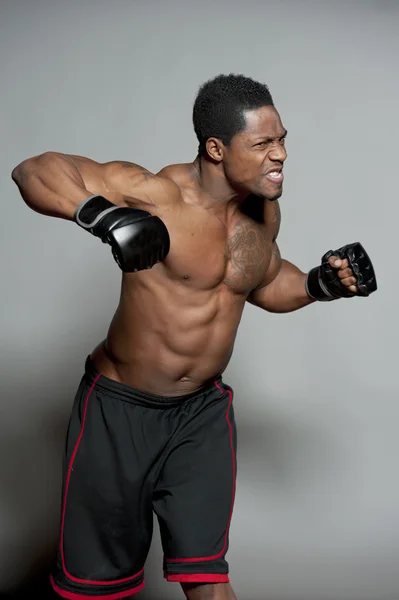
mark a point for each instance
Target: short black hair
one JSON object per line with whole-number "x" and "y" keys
{"x": 220, "y": 104}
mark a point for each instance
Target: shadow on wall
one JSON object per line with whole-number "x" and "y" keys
{"x": 30, "y": 484}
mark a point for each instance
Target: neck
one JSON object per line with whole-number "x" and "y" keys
{"x": 213, "y": 182}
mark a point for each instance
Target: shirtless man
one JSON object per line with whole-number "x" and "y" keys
{"x": 152, "y": 426}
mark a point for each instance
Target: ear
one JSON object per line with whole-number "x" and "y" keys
{"x": 215, "y": 149}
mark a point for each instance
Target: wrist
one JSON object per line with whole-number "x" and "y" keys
{"x": 92, "y": 211}
{"x": 316, "y": 288}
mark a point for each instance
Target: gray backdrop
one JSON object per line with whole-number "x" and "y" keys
{"x": 316, "y": 399}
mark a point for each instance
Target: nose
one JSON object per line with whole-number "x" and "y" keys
{"x": 278, "y": 152}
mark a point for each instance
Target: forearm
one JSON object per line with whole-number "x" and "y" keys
{"x": 286, "y": 293}
{"x": 51, "y": 184}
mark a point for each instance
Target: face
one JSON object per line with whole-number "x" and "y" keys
{"x": 254, "y": 159}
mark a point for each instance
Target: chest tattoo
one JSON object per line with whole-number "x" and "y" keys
{"x": 246, "y": 252}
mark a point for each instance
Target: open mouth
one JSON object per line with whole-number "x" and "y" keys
{"x": 275, "y": 176}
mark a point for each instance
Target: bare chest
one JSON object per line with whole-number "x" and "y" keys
{"x": 207, "y": 254}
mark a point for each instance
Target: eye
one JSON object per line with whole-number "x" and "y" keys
{"x": 261, "y": 144}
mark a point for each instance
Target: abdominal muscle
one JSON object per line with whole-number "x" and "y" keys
{"x": 167, "y": 337}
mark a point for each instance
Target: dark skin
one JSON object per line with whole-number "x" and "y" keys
{"x": 175, "y": 326}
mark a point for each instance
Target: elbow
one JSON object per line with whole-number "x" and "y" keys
{"x": 27, "y": 167}
{"x": 20, "y": 172}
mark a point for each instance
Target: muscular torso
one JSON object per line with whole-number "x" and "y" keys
{"x": 175, "y": 326}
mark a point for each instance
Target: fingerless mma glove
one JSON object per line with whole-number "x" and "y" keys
{"x": 323, "y": 283}
{"x": 138, "y": 239}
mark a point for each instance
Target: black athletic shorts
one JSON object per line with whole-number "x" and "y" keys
{"x": 130, "y": 454}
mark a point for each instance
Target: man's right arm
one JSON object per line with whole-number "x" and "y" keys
{"x": 54, "y": 184}
{"x": 117, "y": 202}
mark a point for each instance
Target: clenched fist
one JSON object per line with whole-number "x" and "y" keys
{"x": 343, "y": 273}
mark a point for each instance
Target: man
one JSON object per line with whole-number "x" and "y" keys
{"x": 152, "y": 427}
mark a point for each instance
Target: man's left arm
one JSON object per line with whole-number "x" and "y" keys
{"x": 343, "y": 273}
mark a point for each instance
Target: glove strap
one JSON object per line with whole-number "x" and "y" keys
{"x": 316, "y": 288}
{"x": 92, "y": 210}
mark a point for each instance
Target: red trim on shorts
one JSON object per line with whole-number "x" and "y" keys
{"x": 113, "y": 596}
{"x": 68, "y": 477}
{"x": 216, "y": 556}
{"x": 199, "y": 578}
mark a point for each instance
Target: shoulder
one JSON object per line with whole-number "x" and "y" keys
{"x": 137, "y": 182}
{"x": 182, "y": 174}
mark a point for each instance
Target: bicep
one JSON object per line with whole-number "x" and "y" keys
{"x": 270, "y": 275}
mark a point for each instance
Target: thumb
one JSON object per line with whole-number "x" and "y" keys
{"x": 335, "y": 261}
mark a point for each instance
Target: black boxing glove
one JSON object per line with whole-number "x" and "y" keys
{"x": 323, "y": 283}
{"x": 138, "y": 239}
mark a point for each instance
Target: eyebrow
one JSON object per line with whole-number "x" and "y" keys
{"x": 270, "y": 139}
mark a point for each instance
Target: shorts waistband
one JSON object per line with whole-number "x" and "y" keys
{"x": 131, "y": 394}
